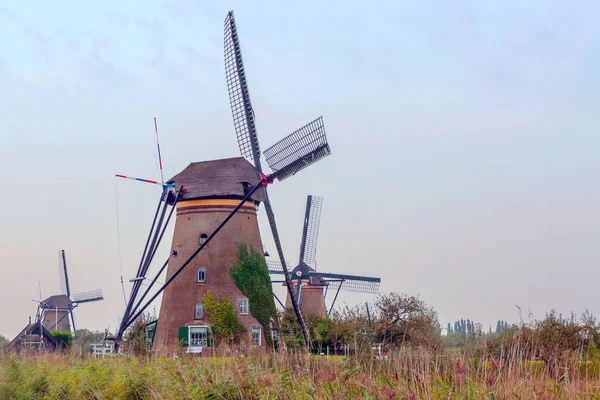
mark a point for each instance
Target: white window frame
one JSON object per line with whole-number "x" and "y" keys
{"x": 201, "y": 344}
{"x": 198, "y": 275}
{"x": 196, "y": 310}
{"x": 245, "y": 300}
{"x": 259, "y": 335}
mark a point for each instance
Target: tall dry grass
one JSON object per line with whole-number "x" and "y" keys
{"x": 407, "y": 374}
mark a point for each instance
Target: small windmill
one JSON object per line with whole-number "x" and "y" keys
{"x": 55, "y": 311}
{"x": 311, "y": 287}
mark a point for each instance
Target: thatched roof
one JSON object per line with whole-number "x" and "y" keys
{"x": 34, "y": 329}
{"x": 218, "y": 179}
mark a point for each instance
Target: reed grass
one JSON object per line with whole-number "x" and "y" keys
{"x": 407, "y": 374}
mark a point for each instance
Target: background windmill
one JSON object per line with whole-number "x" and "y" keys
{"x": 56, "y": 312}
{"x": 310, "y": 286}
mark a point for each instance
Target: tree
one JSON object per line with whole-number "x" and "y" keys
{"x": 135, "y": 336}
{"x": 84, "y": 339}
{"x": 406, "y": 319}
{"x": 3, "y": 342}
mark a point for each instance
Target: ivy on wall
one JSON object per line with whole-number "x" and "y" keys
{"x": 224, "y": 321}
{"x": 251, "y": 276}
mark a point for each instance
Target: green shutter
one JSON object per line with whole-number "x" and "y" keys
{"x": 183, "y": 336}
{"x": 208, "y": 338}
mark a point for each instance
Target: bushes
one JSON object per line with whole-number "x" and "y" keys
{"x": 64, "y": 338}
{"x": 223, "y": 318}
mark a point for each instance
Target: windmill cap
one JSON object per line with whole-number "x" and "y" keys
{"x": 223, "y": 178}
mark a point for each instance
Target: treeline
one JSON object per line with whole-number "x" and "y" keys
{"x": 467, "y": 327}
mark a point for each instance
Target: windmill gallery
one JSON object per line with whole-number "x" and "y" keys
{"x": 214, "y": 256}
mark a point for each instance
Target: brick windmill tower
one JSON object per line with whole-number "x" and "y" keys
{"x": 206, "y": 196}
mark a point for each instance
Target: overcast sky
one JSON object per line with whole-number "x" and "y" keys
{"x": 465, "y": 142}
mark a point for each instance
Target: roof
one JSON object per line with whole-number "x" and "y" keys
{"x": 305, "y": 269}
{"x": 33, "y": 329}
{"x": 60, "y": 301}
{"x": 216, "y": 179}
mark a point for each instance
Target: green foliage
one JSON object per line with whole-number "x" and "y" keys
{"x": 224, "y": 321}
{"x": 84, "y": 339}
{"x": 64, "y": 338}
{"x": 135, "y": 336}
{"x": 251, "y": 276}
{"x": 3, "y": 342}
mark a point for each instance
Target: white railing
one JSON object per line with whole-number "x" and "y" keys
{"x": 100, "y": 350}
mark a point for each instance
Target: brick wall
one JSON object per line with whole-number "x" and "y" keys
{"x": 195, "y": 218}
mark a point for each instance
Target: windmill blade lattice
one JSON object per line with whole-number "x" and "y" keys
{"x": 349, "y": 283}
{"x": 62, "y": 274}
{"x": 239, "y": 96}
{"x": 87, "y": 297}
{"x": 274, "y": 267}
{"x": 298, "y": 150}
{"x": 310, "y": 233}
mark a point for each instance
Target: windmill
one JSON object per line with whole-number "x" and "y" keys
{"x": 220, "y": 197}
{"x": 311, "y": 286}
{"x": 55, "y": 311}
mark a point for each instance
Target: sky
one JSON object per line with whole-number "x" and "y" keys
{"x": 465, "y": 143}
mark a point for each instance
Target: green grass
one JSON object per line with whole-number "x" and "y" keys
{"x": 406, "y": 375}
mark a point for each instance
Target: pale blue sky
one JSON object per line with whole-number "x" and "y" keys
{"x": 465, "y": 142}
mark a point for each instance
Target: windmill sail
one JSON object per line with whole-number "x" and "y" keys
{"x": 87, "y": 297}
{"x": 350, "y": 283}
{"x": 298, "y": 150}
{"x": 239, "y": 96}
{"x": 310, "y": 231}
{"x": 275, "y": 267}
{"x": 62, "y": 274}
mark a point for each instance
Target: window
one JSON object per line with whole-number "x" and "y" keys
{"x": 243, "y": 306}
{"x": 256, "y": 335}
{"x": 199, "y": 311}
{"x": 201, "y": 274}
{"x": 198, "y": 336}
{"x": 203, "y": 238}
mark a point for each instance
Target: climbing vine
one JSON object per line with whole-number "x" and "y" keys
{"x": 224, "y": 321}
{"x": 251, "y": 276}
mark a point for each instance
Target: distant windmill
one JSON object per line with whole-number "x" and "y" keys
{"x": 55, "y": 311}
{"x": 310, "y": 286}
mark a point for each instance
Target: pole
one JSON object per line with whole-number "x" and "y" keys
{"x": 168, "y": 185}
{"x": 125, "y": 325}
{"x": 286, "y": 274}
{"x": 142, "y": 262}
{"x": 335, "y": 298}
{"x": 162, "y": 179}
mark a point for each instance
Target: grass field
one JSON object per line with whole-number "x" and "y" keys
{"x": 406, "y": 375}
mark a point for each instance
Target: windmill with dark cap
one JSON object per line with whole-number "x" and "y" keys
{"x": 311, "y": 286}
{"x": 218, "y": 199}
